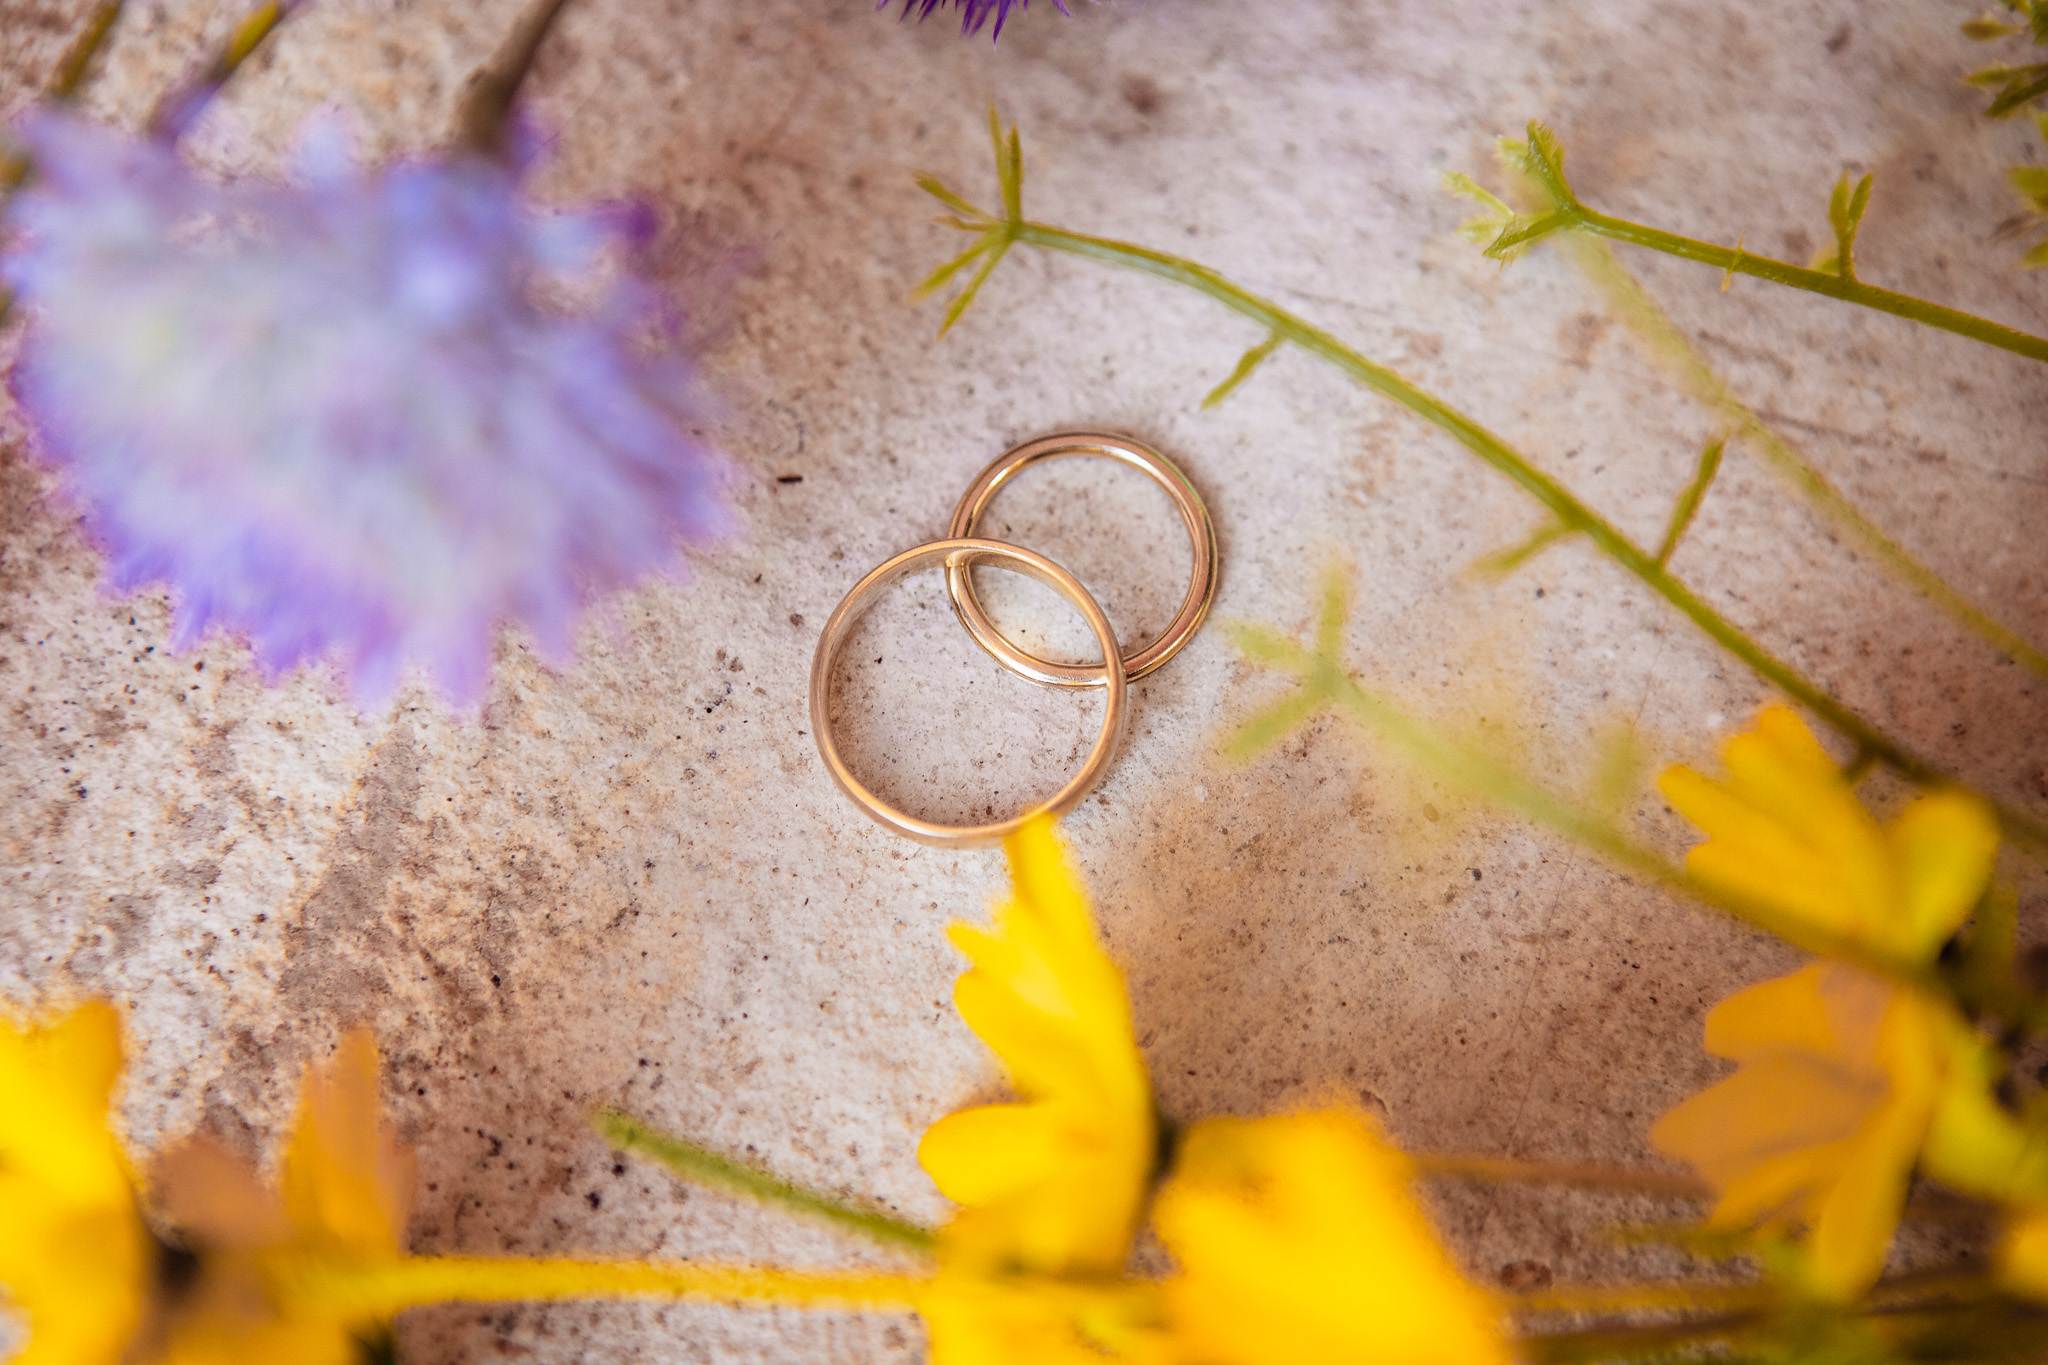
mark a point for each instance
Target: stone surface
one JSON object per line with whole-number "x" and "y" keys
{"x": 630, "y": 881}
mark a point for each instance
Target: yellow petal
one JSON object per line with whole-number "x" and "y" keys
{"x": 1784, "y": 1013}
{"x": 212, "y": 1195}
{"x": 1852, "y": 1230}
{"x": 1841, "y": 1075}
{"x": 347, "y": 1187}
{"x": 2023, "y": 1259}
{"x": 1766, "y": 1110}
{"x": 978, "y": 1156}
{"x": 1299, "y": 1240}
{"x": 1794, "y": 744}
{"x": 977, "y": 1320}
{"x": 1055, "y": 1183}
{"x": 1786, "y": 832}
{"x": 75, "y": 1262}
{"x": 1944, "y": 845}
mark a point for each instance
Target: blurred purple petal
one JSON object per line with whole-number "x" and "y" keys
{"x": 335, "y": 418}
{"x": 973, "y": 13}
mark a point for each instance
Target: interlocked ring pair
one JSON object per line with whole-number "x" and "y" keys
{"x": 958, "y": 554}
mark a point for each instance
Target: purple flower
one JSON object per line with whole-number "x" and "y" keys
{"x": 335, "y": 416}
{"x": 973, "y": 13}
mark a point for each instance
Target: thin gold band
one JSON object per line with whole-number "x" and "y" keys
{"x": 1193, "y": 514}
{"x": 957, "y": 555}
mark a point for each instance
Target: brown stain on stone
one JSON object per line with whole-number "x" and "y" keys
{"x": 334, "y": 955}
{"x": 340, "y": 955}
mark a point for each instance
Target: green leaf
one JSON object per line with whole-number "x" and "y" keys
{"x": 1336, "y": 610}
{"x": 1524, "y": 232}
{"x": 1009, "y": 165}
{"x": 1688, "y": 504}
{"x": 1499, "y": 219}
{"x": 2027, "y": 85}
{"x": 1545, "y": 162}
{"x": 1488, "y": 225}
{"x": 1991, "y": 76}
{"x": 1459, "y": 183}
{"x": 1989, "y": 950}
{"x": 706, "y": 1167}
{"x": 1985, "y": 29}
{"x": 934, "y": 282}
{"x": 1501, "y": 563}
{"x": 1845, "y": 214}
{"x": 936, "y": 188}
{"x": 1273, "y": 724}
{"x": 1261, "y": 644}
{"x": 996, "y": 252}
{"x": 2031, "y": 181}
{"x": 1617, "y": 770}
{"x": 1251, "y": 360}
{"x": 2036, "y": 257}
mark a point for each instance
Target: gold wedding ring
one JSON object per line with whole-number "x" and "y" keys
{"x": 1194, "y": 516}
{"x": 957, "y": 555}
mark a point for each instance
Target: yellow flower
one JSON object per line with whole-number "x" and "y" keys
{"x": 984, "y": 1318}
{"x": 1846, "y": 1081}
{"x": 1299, "y": 1240}
{"x": 265, "y": 1256}
{"x": 1052, "y": 1186}
{"x": 75, "y": 1259}
{"x": 1056, "y": 1182}
{"x": 1786, "y": 831}
{"x": 2023, "y": 1259}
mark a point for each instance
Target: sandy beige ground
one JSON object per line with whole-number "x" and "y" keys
{"x": 630, "y": 881}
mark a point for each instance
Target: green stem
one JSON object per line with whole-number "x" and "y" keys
{"x": 483, "y": 114}
{"x": 71, "y": 71}
{"x": 1643, "y": 315}
{"x": 1566, "y": 507}
{"x": 378, "y": 1291}
{"x": 1657, "y": 1342}
{"x": 180, "y": 109}
{"x": 1734, "y": 260}
{"x": 706, "y": 1167}
{"x": 1325, "y": 683}
{"x": 1480, "y": 774}
{"x": 64, "y": 85}
{"x": 1498, "y": 1170}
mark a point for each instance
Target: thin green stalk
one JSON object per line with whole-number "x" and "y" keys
{"x": 1644, "y": 316}
{"x": 1325, "y": 684}
{"x": 1501, "y": 563}
{"x": 64, "y": 85}
{"x": 1499, "y": 1170}
{"x": 378, "y": 1291}
{"x": 178, "y": 110}
{"x": 71, "y": 71}
{"x": 1688, "y": 505}
{"x": 1660, "y": 1342}
{"x": 999, "y": 233}
{"x": 1571, "y": 513}
{"x": 706, "y": 1167}
{"x": 1739, "y": 262}
{"x": 483, "y": 115}
{"x": 1547, "y": 164}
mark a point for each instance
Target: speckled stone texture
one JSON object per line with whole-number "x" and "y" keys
{"x": 631, "y": 882}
